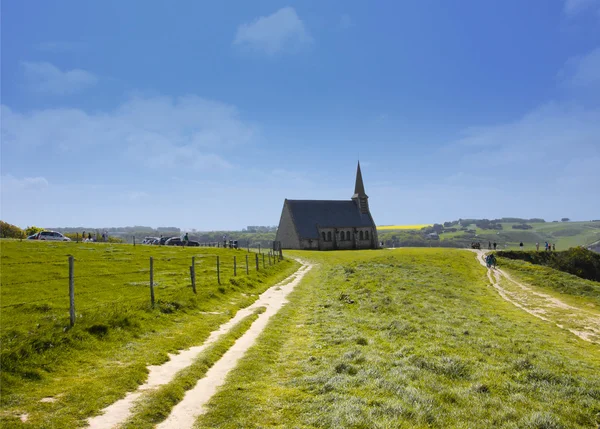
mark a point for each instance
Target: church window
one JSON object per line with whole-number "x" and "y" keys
{"x": 366, "y": 235}
{"x": 362, "y": 237}
{"x": 324, "y": 239}
{"x": 329, "y": 236}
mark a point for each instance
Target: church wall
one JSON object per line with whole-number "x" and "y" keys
{"x": 309, "y": 244}
{"x": 286, "y": 233}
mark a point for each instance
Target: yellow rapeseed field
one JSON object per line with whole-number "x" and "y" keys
{"x": 397, "y": 227}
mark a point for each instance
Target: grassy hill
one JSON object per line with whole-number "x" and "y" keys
{"x": 411, "y": 338}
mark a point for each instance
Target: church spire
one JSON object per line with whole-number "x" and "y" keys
{"x": 359, "y": 188}
{"x": 360, "y": 197}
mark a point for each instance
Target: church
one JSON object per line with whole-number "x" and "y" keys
{"x": 328, "y": 224}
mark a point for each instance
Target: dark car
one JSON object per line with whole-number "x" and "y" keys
{"x": 163, "y": 240}
{"x": 173, "y": 241}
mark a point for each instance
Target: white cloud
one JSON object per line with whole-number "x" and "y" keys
{"x": 11, "y": 183}
{"x": 574, "y": 7}
{"x": 46, "y": 78}
{"x": 158, "y": 132}
{"x": 274, "y": 33}
{"x": 583, "y": 71}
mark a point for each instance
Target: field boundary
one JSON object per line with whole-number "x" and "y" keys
{"x": 159, "y": 375}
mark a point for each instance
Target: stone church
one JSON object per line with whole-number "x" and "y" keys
{"x": 328, "y": 225}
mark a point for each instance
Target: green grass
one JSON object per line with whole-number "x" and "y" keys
{"x": 413, "y": 338}
{"x": 552, "y": 280}
{"x": 117, "y": 333}
{"x": 154, "y": 407}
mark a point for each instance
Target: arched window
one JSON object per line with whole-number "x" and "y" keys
{"x": 362, "y": 237}
{"x": 366, "y": 235}
{"x": 345, "y": 236}
{"x": 329, "y": 236}
{"x": 324, "y": 238}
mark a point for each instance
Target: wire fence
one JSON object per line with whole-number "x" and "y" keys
{"x": 145, "y": 282}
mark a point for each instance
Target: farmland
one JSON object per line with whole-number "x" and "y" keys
{"x": 117, "y": 332}
{"x": 401, "y": 227}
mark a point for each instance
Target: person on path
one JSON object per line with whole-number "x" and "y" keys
{"x": 554, "y": 247}
{"x": 494, "y": 245}
{"x": 521, "y": 245}
{"x": 546, "y": 246}
{"x": 537, "y": 247}
{"x": 83, "y": 237}
{"x": 493, "y": 260}
{"x": 186, "y": 239}
{"x": 89, "y": 236}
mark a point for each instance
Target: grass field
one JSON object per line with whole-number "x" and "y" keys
{"x": 408, "y": 338}
{"x": 401, "y": 227}
{"x": 117, "y": 333}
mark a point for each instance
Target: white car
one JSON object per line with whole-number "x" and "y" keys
{"x": 52, "y": 236}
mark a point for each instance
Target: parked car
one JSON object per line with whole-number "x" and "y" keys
{"x": 150, "y": 240}
{"x": 174, "y": 241}
{"x": 52, "y": 236}
{"x": 33, "y": 236}
{"x": 163, "y": 240}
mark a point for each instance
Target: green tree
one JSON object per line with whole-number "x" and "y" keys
{"x": 10, "y": 231}
{"x": 30, "y": 230}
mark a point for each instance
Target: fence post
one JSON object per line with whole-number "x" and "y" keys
{"x": 246, "y": 264}
{"x": 77, "y": 236}
{"x": 152, "y": 280}
{"x": 134, "y": 241}
{"x": 256, "y": 255}
{"x": 193, "y": 273}
{"x": 269, "y": 257}
{"x": 258, "y": 247}
{"x": 234, "y": 267}
{"x": 218, "y": 271}
{"x": 263, "y": 256}
{"x": 71, "y": 292}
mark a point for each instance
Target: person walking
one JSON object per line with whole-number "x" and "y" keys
{"x": 494, "y": 245}
{"x": 537, "y": 247}
{"x": 521, "y": 245}
{"x": 186, "y": 240}
{"x": 554, "y": 247}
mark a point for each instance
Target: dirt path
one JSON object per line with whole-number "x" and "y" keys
{"x": 581, "y": 322}
{"x": 185, "y": 413}
{"x": 273, "y": 299}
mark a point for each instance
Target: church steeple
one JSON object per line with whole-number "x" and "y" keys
{"x": 360, "y": 197}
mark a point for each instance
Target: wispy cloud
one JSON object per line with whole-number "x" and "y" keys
{"x": 583, "y": 71}
{"x": 11, "y": 183}
{"x": 158, "y": 132}
{"x": 59, "y": 46}
{"x": 46, "y": 78}
{"x": 574, "y": 7}
{"x": 274, "y": 33}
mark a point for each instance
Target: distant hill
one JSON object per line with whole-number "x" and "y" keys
{"x": 507, "y": 235}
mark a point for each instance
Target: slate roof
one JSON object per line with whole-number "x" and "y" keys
{"x": 307, "y": 214}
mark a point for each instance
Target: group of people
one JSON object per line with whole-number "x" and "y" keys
{"x": 477, "y": 245}
{"x": 548, "y": 247}
{"x": 490, "y": 260}
{"x": 90, "y": 239}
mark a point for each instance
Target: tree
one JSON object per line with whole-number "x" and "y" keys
{"x": 10, "y": 231}
{"x": 30, "y": 230}
{"x": 565, "y": 219}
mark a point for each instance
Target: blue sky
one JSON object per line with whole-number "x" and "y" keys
{"x": 207, "y": 115}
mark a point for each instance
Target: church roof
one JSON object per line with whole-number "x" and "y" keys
{"x": 359, "y": 187}
{"x": 307, "y": 214}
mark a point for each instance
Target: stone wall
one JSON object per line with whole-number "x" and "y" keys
{"x": 286, "y": 233}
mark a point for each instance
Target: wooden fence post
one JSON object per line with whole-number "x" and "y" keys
{"x": 258, "y": 247}
{"x": 134, "y": 241}
{"x": 263, "y": 256}
{"x": 152, "y": 280}
{"x": 193, "y": 273}
{"x": 269, "y": 257}
{"x": 234, "y": 267}
{"x": 246, "y": 264}
{"x": 256, "y": 255}
{"x": 71, "y": 292}
{"x": 218, "y": 271}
